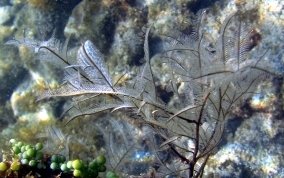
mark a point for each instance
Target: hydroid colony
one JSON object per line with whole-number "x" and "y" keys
{"x": 207, "y": 79}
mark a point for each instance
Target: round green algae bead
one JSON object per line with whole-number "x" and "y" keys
{"x": 69, "y": 164}
{"x": 20, "y": 155}
{"x": 40, "y": 166}
{"x": 3, "y": 166}
{"x": 77, "y": 164}
{"x": 102, "y": 168}
{"x": 20, "y": 144}
{"x": 93, "y": 165}
{"x": 23, "y": 149}
{"x": 25, "y": 155}
{"x": 15, "y": 166}
{"x": 54, "y": 166}
{"x": 38, "y": 146}
{"x": 16, "y": 149}
{"x": 24, "y": 161}
{"x": 54, "y": 158}
{"x": 61, "y": 159}
{"x": 32, "y": 163}
{"x": 64, "y": 168}
{"x": 30, "y": 152}
{"x": 77, "y": 173}
{"x": 110, "y": 175}
{"x": 101, "y": 160}
{"x": 39, "y": 155}
{"x": 13, "y": 141}
{"x": 28, "y": 147}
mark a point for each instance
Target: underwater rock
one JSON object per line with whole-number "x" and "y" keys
{"x": 254, "y": 149}
{"x": 6, "y": 13}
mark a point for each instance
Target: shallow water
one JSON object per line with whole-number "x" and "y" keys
{"x": 252, "y": 144}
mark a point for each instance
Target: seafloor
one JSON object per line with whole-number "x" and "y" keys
{"x": 253, "y": 144}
